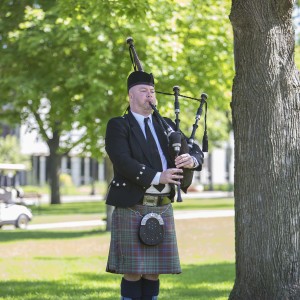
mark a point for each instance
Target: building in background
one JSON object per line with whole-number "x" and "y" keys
{"x": 217, "y": 170}
{"x": 83, "y": 170}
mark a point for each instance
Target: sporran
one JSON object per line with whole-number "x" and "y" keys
{"x": 151, "y": 231}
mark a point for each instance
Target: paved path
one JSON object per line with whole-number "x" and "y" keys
{"x": 195, "y": 214}
{"x": 179, "y": 215}
{"x": 66, "y": 224}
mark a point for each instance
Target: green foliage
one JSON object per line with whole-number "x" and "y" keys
{"x": 10, "y": 152}
{"x": 70, "y": 189}
{"x": 33, "y": 189}
{"x": 195, "y": 53}
{"x": 227, "y": 187}
{"x": 65, "y": 180}
{"x": 65, "y": 63}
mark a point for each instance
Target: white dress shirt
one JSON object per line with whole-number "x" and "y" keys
{"x": 151, "y": 189}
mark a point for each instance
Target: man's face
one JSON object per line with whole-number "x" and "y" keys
{"x": 139, "y": 97}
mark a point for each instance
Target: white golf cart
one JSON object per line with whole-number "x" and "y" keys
{"x": 10, "y": 212}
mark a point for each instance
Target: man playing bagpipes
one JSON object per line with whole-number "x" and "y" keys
{"x": 143, "y": 238}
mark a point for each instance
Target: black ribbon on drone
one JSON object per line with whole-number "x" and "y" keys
{"x": 177, "y": 143}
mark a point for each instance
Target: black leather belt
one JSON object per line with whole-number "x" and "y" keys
{"x": 155, "y": 200}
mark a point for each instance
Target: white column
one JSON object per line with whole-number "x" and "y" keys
{"x": 87, "y": 170}
{"x": 42, "y": 170}
{"x": 205, "y": 172}
{"x": 75, "y": 170}
{"x": 64, "y": 164}
{"x": 101, "y": 171}
{"x": 218, "y": 166}
{"x": 34, "y": 171}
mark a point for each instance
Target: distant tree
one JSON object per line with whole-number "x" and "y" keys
{"x": 64, "y": 65}
{"x": 60, "y": 74}
{"x": 265, "y": 107}
{"x": 10, "y": 151}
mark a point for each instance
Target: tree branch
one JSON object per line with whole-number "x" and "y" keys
{"x": 40, "y": 124}
{"x": 73, "y": 145}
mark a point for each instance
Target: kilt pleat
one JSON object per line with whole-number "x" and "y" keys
{"x": 127, "y": 255}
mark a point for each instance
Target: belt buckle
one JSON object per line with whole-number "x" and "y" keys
{"x": 150, "y": 200}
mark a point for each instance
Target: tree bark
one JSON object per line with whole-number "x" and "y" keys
{"x": 266, "y": 114}
{"x": 54, "y": 169}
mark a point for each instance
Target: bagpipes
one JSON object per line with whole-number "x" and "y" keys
{"x": 177, "y": 142}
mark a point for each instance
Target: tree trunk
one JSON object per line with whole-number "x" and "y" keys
{"x": 54, "y": 169}
{"x": 108, "y": 178}
{"x": 266, "y": 114}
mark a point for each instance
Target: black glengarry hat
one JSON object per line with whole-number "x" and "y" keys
{"x": 139, "y": 77}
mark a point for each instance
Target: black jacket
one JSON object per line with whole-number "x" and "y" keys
{"x": 127, "y": 149}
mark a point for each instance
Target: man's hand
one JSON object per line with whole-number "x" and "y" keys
{"x": 171, "y": 176}
{"x": 184, "y": 161}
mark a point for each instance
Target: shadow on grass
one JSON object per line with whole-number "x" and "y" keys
{"x": 10, "y": 236}
{"x": 201, "y": 282}
{"x": 38, "y": 290}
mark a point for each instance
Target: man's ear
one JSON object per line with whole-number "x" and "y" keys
{"x": 130, "y": 95}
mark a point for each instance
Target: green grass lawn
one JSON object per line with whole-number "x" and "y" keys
{"x": 80, "y": 211}
{"x": 99, "y": 206}
{"x": 70, "y": 264}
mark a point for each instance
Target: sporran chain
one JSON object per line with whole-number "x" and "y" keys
{"x": 140, "y": 215}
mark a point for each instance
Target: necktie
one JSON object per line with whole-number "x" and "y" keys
{"x": 155, "y": 157}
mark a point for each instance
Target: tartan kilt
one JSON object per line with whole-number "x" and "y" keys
{"x": 127, "y": 255}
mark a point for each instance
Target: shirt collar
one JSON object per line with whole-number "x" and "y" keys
{"x": 140, "y": 118}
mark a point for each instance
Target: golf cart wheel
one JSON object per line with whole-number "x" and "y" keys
{"x": 22, "y": 222}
